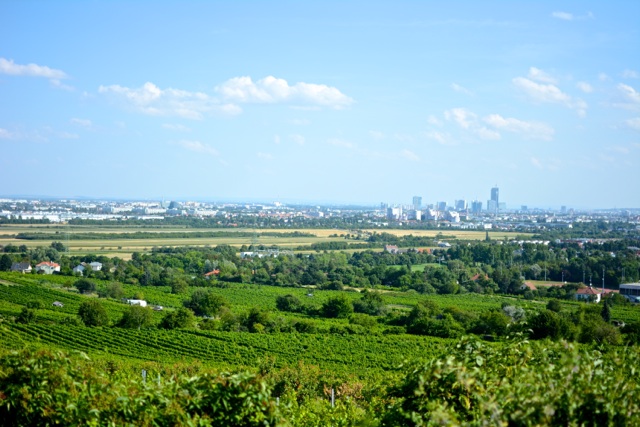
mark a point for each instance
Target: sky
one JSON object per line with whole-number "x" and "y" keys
{"x": 357, "y": 102}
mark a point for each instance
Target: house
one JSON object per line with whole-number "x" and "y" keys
{"x": 58, "y": 304}
{"x": 141, "y": 303}
{"x": 95, "y": 265}
{"x": 22, "y": 267}
{"x": 528, "y": 286}
{"x": 392, "y": 249}
{"x": 588, "y": 294}
{"x": 211, "y": 273}
{"x": 47, "y": 267}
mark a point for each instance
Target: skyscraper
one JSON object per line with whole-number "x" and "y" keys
{"x": 493, "y": 205}
{"x": 417, "y": 203}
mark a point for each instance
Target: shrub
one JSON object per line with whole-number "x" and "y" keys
{"x": 339, "y": 307}
{"x": 85, "y": 286}
{"x": 205, "y": 303}
{"x": 92, "y": 313}
{"x": 137, "y": 317}
{"x": 180, "y": 318}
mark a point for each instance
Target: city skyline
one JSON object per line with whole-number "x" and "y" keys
{"x": 338, "y": 103}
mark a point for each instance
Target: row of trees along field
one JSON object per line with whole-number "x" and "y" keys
{"x": 485, "y": 267}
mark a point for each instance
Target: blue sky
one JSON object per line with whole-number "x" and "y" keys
{"x": 346, "y": 102}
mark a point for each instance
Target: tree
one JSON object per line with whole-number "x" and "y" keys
{"x": 85, "y": 286}
{"x": 290, "y": 303}
{"x": 179, "y": 286}
{"x": 137, "y": 317}
{"x": 5, "y": 262}
{"x": 58, "y": 246}
{"x": 554, "y": 305}
{"x": 92, "y": 313}
{"x": 26, "y": 316}
{"x": 606, "y": 312}
{"x": 114, "y": 290}
{"x": 337, "y": 307}
{"x": 205, "y": 303}
{"x": 371, "y": 303}
{"x": 180, "y": 318}
{"x": 549, "y": 324}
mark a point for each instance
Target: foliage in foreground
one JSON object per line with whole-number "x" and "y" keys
{"x": 520, "y": 383}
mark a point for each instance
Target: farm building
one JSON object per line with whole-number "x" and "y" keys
{"x": 22, "y": 267}
{"x": 630, "y": 291}
{"x": 588, "y": 294}
{"x": 47, "y": 267}
{"x": 141, "y": 303}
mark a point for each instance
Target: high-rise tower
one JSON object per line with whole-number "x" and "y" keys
{"x": 493, "y": 205}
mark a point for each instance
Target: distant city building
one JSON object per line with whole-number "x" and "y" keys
{"x": 383, "y": 206}
{"x": 417, "y": 202}
{"x": 524, "y": 208}
{"x": 414, "y": 214}
{"x": 442, "y": 206}
{"x": 476, "y": 206}
{"x": 394, "y": 213}
{"x": 563, "y": 209}
{"x": 493, "y": 205}
{"x": 502, "y": 206}
{"x": 461, "y": 205}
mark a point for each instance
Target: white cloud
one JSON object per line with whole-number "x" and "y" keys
{"x": 550, "y": 93}
{"x": 276, "y": 139}
{"x": 631, "y": 96}
{"x": 410, "y": 155}
{"x": 634, "y": 123}
{"x": 488, "y": 134}
{"x": 86, "y": 123}
{"x": 198, "y": 147}
{"x": 340, "y": 143}
{"x": 150, "y": 99}
{"x": 376, "y": 134}
{"x": 176, "y": 127}
{"x": 630, "y": 74}
{"x": 264, "y": 156}
{"x": 440, "y": 137}
{"x": 7, "y": 66}
{"x": 540, "y": 76}
{"x": 298, "y": 139}
{"x": 301, "y": 122}
{"x": 536, "y": 162}
{"x": 566, "y": 16}
{"x": 552, "y": 164}
{"x": 603, "y": 77}
{"x": 462, "y": 117}
{"x": 468, "y": 120}
{"x": 585, "y": 87}
{"x": 461, "y": 89}
{"x": 433, "y": 120}
{"x": 5, "y": 134}
{"x": 620, "y": 149}
{"x": 535, "y": 130}
{"x": 273, "y": 90}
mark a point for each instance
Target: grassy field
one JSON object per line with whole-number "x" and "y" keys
{"x": 123, "y": 248}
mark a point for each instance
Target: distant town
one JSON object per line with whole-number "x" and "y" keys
{"x": 461, "y": 214}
